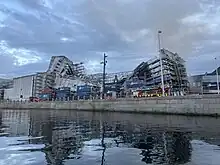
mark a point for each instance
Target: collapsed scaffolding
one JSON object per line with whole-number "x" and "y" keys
{"x": 146, "y": 75}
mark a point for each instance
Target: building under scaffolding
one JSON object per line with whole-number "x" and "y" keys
{"x": 113, "y": 81}
{"x": 68, "y": 73}
{"x": 110, "y": 78}
{"x": 148, "y": 74}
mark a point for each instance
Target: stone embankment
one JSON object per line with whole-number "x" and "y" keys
{"x": 207, "y": 105}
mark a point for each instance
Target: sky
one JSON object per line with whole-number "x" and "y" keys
{"x": 31, "y": 31}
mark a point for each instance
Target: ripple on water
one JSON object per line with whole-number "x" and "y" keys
{"x": 82, "y": 138}
{"x": 14, "y": 151}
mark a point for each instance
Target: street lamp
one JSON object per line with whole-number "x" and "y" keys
{"x": 217, "y": 78}
{"x": 161, "y": 63}
{"x": 103, "y": 77}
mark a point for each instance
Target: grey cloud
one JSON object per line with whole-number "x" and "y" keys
{"x": 44, "y": 35}
{"x": 152, "y": 15}
{"x": 207, "y": 63}
{"x": 117, "y": 27}
{"x": 6, "y": 63}
{"x": 26, "y": 69}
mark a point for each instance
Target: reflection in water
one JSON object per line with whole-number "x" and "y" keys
{"x": 103, "y": 143}
{"x": 67, "y": 137}
{"x": 171, "y": 147}
{"x": 181, "y": 148}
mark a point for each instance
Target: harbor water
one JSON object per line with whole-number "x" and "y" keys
{"x": 43, "y": 137}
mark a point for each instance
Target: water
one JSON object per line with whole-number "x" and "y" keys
{"x": 82, "y": 138}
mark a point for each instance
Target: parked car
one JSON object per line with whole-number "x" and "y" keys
{"x": 34, "y": 99}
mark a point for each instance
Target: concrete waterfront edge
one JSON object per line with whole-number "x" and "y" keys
{"x": 182, "y": 105}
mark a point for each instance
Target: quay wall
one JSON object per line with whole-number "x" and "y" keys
{"x": 208, "y": 105}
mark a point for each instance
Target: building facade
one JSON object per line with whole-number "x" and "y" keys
{"x": 209, "y": 84}
{"x": 204, "y": 83}
{"x": 30, "y": 86}
{"x": 22, "y": 88}
{"x": 148, "y": 74}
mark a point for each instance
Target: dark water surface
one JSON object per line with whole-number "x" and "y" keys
{"x": 40, "y": 137}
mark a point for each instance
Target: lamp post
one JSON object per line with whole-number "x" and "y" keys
{"x": 103, "y": 77}
{"x": 217, "y": 78}
{"x": 161, "y": 63}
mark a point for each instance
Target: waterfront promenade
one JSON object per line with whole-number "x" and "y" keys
{"x": 207, "y": 105}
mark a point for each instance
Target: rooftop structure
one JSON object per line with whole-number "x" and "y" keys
{"x": 28, "y": 86}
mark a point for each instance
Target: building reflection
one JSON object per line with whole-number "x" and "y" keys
{"x": 1, "y": 126}
{"x": 17, "y": 122}
{"x": 180, "y": 147}
{"x": 169, "y": 147}
{"x": 64, "y": 136}
{"x": 0, "y": 118}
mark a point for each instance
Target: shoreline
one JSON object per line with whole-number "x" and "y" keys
{"x": 201, "y": 105}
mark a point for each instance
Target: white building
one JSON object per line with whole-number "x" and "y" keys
{"x": 22, "y": 88}
{"x": 9, "y": 94}
{"x": 29, "y": 86}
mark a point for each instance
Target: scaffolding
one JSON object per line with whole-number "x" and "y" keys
{"x": 174, "y": 72}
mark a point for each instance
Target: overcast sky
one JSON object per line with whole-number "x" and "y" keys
{"x": 31, "y": 31}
